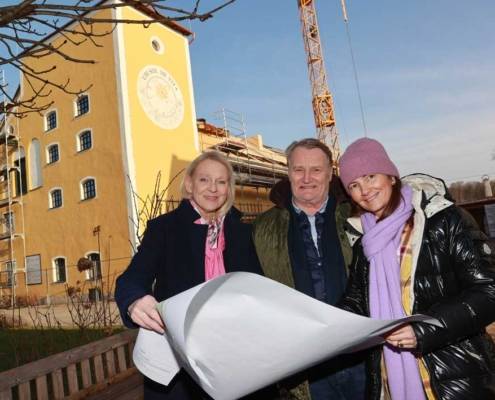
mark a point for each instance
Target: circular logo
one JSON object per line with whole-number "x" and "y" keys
{"x": 160, "y": 97}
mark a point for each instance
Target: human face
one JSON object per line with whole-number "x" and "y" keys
{"x": 208, "y": 187}
{"x": 309, "y": 175}
{"x": 372, "y": 192}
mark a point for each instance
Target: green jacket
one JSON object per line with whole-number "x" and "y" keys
{"x": 270, "y": 233}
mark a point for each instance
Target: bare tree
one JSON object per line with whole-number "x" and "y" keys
{"x": 26, "y": 27}
{"x": 152, "y": 205}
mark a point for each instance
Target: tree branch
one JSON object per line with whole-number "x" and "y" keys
{"x": 26, "y": 30}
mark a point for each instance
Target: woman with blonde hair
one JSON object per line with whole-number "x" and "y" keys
{"x": 200, "y": 240}
{"x": 415, "y": 253}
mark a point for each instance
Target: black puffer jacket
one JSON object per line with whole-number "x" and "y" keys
{"x": 454, "y": 281}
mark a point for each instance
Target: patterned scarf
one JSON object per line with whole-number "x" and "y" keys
{"x": 381, "y": 241}
{"x": 214, "y": 246}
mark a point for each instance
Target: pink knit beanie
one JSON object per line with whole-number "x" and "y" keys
{"x": 365, "y": 157}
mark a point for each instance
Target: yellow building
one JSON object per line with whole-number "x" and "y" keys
{"x": 74, "y": 180}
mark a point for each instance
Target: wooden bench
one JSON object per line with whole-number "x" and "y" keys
{"x": 99, "y": 371}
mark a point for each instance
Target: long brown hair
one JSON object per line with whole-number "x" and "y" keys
{"x": 395, "y": 198}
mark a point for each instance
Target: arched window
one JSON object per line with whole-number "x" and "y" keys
{"x": 82, "y": 105}
{"x": 84, "y": 140}
{"x": 59, "y": 270}
{"x": 35, "y": 164}
{"x": 20, "y": 172}
{"x": 88, "y": 188}
{"x": 55, "y": 198}
{"x": 51, "y": 120}
{"x": 52, "y": 153}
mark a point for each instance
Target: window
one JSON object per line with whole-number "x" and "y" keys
{"x": 95, "y": 272}
{"x": 53, "y": 154}
{"x": 88, "y": 189}
{"x": 82, "y": 105}
{"x": 8, "y": 275}
{"x": 56, "y": 198}
{"x": 84, "y": 141}
{"x": 8, "y": 222}
{"x": 51, "y": 121}
{"x": 35, "y": 164}
{"x": 20, "y": 174}
{"x": 59, "y": 271}
{"x": 33, "y": 269}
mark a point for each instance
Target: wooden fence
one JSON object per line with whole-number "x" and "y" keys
{"x": 100, "y": 370}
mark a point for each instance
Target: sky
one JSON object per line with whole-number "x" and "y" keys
{"x": 426, "y": 72}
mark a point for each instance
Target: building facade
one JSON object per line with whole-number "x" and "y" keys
{"x": 77, "y": 179}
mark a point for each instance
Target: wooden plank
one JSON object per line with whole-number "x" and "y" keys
{"x": 58, "y": 384}
{"x": 106, "y": 385}
{"x": 99, "y": 374}
{"x": 72, "y": 378}
{"x": 41, "y": 388}
{"x": 85, "y": 373}
{"x": 24, "y": 391}
{"x": 6, "y": 394}
{"x": 111, "y": 367}
{"x": 121, "y": 359}
{"x": 130, "y": 388}
{"x": 46, "y": 365}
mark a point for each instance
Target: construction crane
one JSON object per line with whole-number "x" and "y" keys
{"x": 322, "y": 98}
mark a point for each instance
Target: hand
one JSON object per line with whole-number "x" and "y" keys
{"x": 403, "y": 338}
{"x": 144, "y": 313}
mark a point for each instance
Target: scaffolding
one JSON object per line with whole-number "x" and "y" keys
{"x": 12, "y": 185}
{"x": 254, "y": 165}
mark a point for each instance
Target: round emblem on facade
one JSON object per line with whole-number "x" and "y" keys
{"x": 160, "y": 97}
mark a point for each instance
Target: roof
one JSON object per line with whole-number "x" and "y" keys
{"x": 150, "y": 12}
{"x": 144, "y": 8}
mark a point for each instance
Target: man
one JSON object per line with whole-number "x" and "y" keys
{"x": 301, "y": 243}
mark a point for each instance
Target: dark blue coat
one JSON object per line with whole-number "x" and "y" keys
{"x": 172, "y": 252}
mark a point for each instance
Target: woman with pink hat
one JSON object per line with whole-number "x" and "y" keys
{"x": 413, "y": 252}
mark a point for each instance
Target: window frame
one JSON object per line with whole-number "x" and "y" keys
{"x": 35, "y": 164}
{"x": 11, "y": 278}
{"x": 79, "y": 148}
{"x": 90, "y": 273}
{"x": 8, "y": 223}
{"x": 82, "y": 189}
{"x": 50, "y": 198}
{"x": 77, "y": 114}
{"x": 159, "y": 43}
{"x": 56, "y": 271}
{"x": 48, "y": 147}
{"x": 45, "y": 119}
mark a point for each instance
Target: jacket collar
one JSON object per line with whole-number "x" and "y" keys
{"x": 430, "y": 194}
{"x": 187, "y": 211}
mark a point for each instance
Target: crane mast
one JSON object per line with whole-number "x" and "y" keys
{"x": 322, "y": 99}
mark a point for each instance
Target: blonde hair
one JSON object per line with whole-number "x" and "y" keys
{"x": 212, "y": 155}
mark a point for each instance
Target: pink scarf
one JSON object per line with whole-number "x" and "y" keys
{"x": 214, "y": 246}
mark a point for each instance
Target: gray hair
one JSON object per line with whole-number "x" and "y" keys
{"x": 309, "y": 143}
